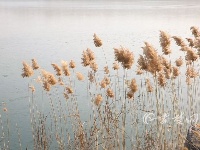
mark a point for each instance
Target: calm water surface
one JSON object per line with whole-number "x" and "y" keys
{"x": 50, "y": 31}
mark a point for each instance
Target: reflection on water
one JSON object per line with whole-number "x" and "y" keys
{"x": 53, "y": 30}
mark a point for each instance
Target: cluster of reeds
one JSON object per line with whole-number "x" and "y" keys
{"x": 119, "y": 108}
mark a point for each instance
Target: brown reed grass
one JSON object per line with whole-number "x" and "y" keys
{"x": 124, "y": 56}
{"x": 27, "y": 70}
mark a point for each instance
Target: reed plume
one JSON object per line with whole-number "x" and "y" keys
{"x": 191, "y": 42}
{"x": 190, "y": 55}
{"x": 32, "y": 88}
{"x": 46, "y": 86}
{"x": 69, "y": 90}
{"x": 179, "y": 62}
{"x": 161, "y": 79}
{"x": 60, "y": 81}
{"x": 27, "y": 70}
{"x": 98, "y": 100}
{"x": 91, "y": 77}
{"x": 72, "y": 64}
{"x": 97, "y": 41}
{"x": 80, "y": 76}
{"x": 87, "y": 57}
{"x": 49, "y": 77}
{"x": 65, "y": 68}
{"x": 35, "y": 65}
{"x": 139, "y": 71}
{"x": 195, "y": 31}
{"x": 148, "y": 86}
{"x": 57, "y": 69}
{"x": 165, "y": 42}
{"x": 179, "y": 41}
{"x": 115, "y": 66}
{"x": 191, "y": 72}
{"x": 109, "y": 93}
{"x": 94, "y": 66}
{"x": 106, "y": 70}
{"x": 124, "y": 56}
{"x": 167, "y": 73}
{"x": 142, "y": 62}
{"x": 176, "y": 72}
{"x": 133, "y": 86}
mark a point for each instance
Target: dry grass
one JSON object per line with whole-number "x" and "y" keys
{"x": 160, "y": 85}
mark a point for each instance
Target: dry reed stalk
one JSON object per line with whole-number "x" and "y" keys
{"x": 124, "y": 56}
{"x": 65, "y": 68}
{"x": 97, "y": 41}
{"x": 27, "y": 70}
{"x": 35, "y": 65}
{"x": 165, "y": 42}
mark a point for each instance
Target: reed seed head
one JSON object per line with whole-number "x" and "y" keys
{"x": 115, "y": 66}
{"x": 195, "y": 31}
{"x": 191, "y": 42}
{"x": 130, "y": 95}
{"x": 49, "y": 77}
{"x": 94, "y": 66}
{"x": 179, "y": 41}
{"x": 80, "y": 76}
{"x": 69, "y": 90}
{"x": 72, "y": 64}
{"x": 165, "y": 42}
{"x": 98, "y": 100}
{"x": 191, "y": 72}
{"x": 97, "y": 41}
{"x": 57, "y": 69}
{"x": 124, "y": 56}
{"x": 106, "y": 70}
{"x": 161, "y": 79}
{"x": 27, "y": 70}
{"x": 32, "y": 88}
{"x": 65, "y": 68}
{"x": 110, "y": 93}
{"x": 46, "y": 86}
{"x": 190, "y": 55}
{"x": 179, "y": 62}
{"x": 149, "y": 86}
{"x": 176, "y": 72}
{"x": 133, "y": 86}
{"x": 35, "y": 65}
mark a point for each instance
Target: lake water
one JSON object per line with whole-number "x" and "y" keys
{"x": 50, "y": 31}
